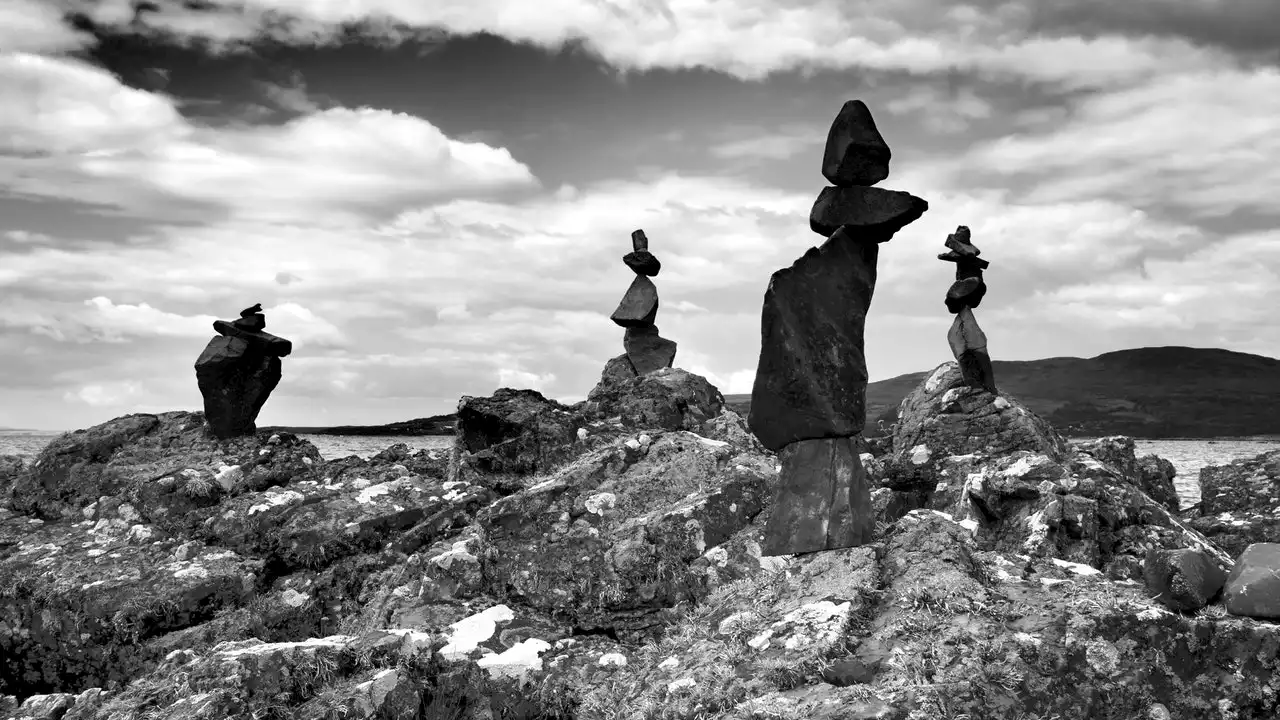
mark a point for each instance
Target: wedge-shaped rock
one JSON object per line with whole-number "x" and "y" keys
{"x": 639, "y": 306}
{"x": 822, "y": 501}
{"x": 269, "y": 344}
{"x": 1253, "y": 587}
{"x": 877, "y": 212}
{"x": 235, "y": 378}
{"x": 648, "y": 351}
{"x": 856, "y": 154}
{"x": 811, "y": 380}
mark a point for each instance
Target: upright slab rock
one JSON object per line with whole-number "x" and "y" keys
{"x": 812, "y": 376}
{"x": 823, "y": 500}
{"x": 237, "y": 372}
{"x": 809, "y": 399}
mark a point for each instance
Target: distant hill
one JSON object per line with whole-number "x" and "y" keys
{"x": 1159, "y": 392}
{"x": 435, "y": 425}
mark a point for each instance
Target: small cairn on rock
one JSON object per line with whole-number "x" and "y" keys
{"x": 968, "y": 342}
{"x": 237, "y": 372}
{"x": 808, "y": 403}
{"x": 646, "y": 351}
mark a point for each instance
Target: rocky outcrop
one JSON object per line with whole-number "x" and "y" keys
{"x": 1154, "y": 474}
{"x": 666, "y": 399}
{"x": 511, "y": 436}
{"x": 237, "y": 372}
{"x": 1240, "y": 503}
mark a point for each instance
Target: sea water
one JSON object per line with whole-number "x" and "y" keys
{"x": 1187, "y": 455}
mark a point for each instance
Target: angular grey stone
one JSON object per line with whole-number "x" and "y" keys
{"x": 1183, "y": 580}
{"x": 856, "y": 154}
{"x": 822, "y": 501}
{"x": 874, "y": 211}
{"x": 647, "y": 351}
{"x": 639, "y": 307}
{"x": 1253, "y": 587}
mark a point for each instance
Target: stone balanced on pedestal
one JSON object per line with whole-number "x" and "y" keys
{"x": 809, "y": 398}
{"x": 237, "y": 372}
{"x": 646, "y": 351}
{"x": 968, "y": 342}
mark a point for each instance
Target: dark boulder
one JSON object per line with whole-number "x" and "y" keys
{"x": 876, "y": 212}
{"x": 856, "y": 154}
{"x": 235, "y": 379}
{"x": 1183, "y": 580}
{"x": 811, "y": 380}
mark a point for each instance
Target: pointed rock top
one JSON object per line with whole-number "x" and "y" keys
{"x": 639, "y": 242}
{"x": 257, "y": 308}
{"x": 958, "y": 242}
{"x": 856, "y": 154}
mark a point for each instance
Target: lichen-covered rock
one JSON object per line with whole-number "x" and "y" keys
{"x": 942, "y": 417}
{"x": 665, "y": 399}
{"x": 616, "y": 537}
{"x": 77, "y": 600}
{"x": 1152, "y": 473}
{"x": 512, "y": 435}
{"x": 1240, "y": 502}
{"x": 167, "y": 466}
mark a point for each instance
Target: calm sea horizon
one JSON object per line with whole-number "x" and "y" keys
{"x": 1188, "y": 455}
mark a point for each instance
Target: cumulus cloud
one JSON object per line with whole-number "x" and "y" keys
{"x": 746, "y": 38}
{"x": 72, "y": 130}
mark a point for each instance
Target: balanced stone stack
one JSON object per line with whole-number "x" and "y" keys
{"x": 968, "y": 342}
{"x": 237, "y": 372}
{"x": 646, "y": 351}
{"x": 809, "y": 399}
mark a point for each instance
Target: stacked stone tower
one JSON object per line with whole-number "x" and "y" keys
{"x": 237, "y": 372}
{"x": 968, "y": 342}
{"x": 809, "y": 398}
{"x": 646, "y": 351}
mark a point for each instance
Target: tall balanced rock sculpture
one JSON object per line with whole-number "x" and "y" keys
{"x": 237, "y": 372}
{"x": 968, "y": 342}
{"x": 809, "y": 398}
{"x": 646, "y": 351}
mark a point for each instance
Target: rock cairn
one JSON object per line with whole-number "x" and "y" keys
{"x": 968, "y": 342}
{"x": 646, "y": 351}
{"x": 237, "y": 372}
{"x": 809, "y": 399}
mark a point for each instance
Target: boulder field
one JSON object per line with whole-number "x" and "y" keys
{"x": 603, "y": 560}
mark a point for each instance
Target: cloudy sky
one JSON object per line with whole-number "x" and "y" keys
{"x": 432, "y": 198}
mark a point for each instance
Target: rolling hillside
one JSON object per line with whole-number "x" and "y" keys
{"x": 1159, "y": 392}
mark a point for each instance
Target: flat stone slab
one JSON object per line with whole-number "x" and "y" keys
{"x": 856, "y": 154}
{"x": 811, "y": 379}
{"x": 643, "y": 262}
{"x": 277, "y": 346}
{"x": 639, "y": 307}
{"x": 822, "y": 501}
{"x": 873, "y": 210}
{"x": 648, "y": 351}
{"x": 1253, "y": 587}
